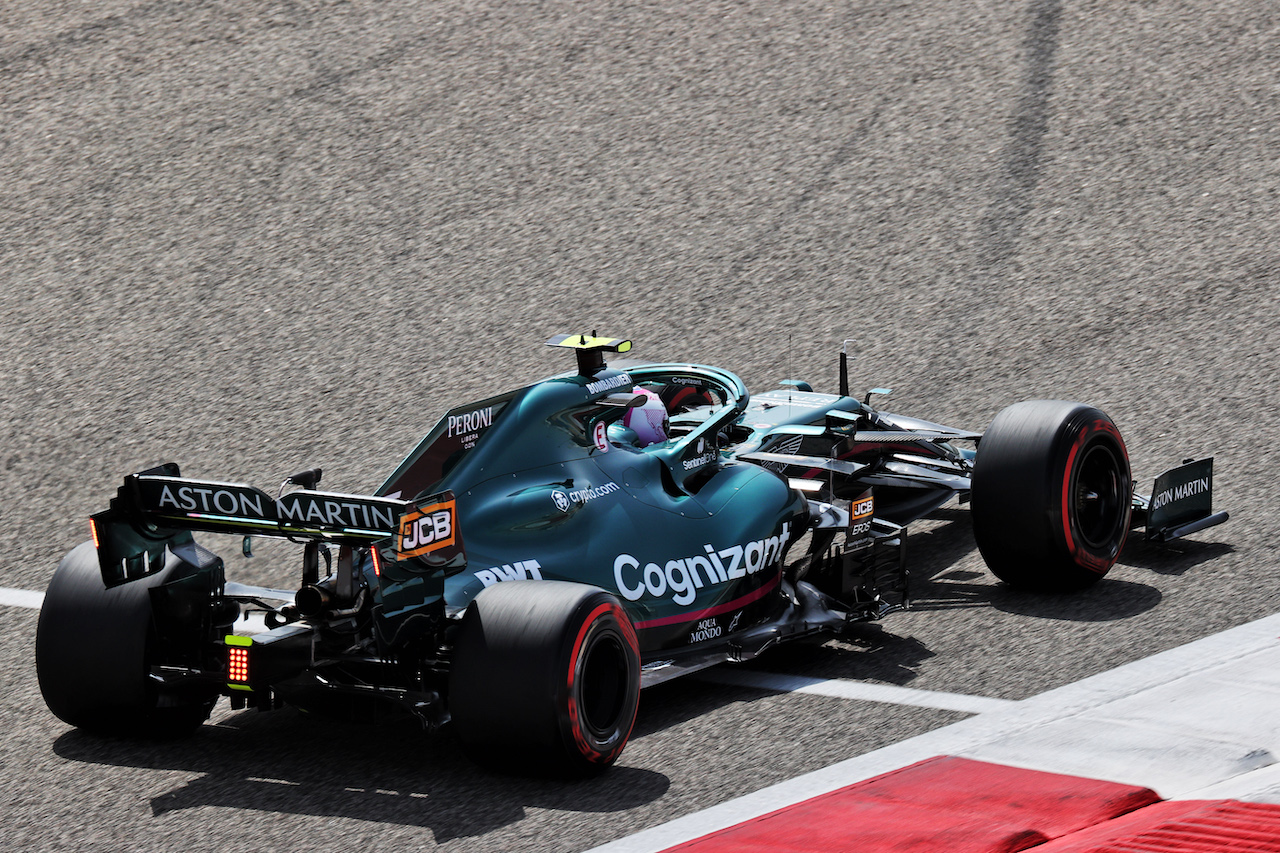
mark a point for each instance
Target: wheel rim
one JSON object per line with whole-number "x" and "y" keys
{"x": 1099, "y": 496}
{"x": 603, "y": 686}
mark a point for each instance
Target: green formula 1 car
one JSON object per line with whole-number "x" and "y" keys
{"x": 544, "y": 554}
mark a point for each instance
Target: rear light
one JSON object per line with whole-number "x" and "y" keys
{"x": 93, "y": 534}
{"x": 238, "y": 665}
{"x": 377, "y": 562}
{"x": 238, "y": 660}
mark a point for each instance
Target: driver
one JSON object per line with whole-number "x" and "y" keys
{"x": 648, "y": 420}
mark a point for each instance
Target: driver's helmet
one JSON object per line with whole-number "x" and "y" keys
{"x": 647, "y": 420}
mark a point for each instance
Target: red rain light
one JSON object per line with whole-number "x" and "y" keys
{"x": 238, "y": 664}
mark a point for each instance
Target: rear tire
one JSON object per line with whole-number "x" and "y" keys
{"x": 94, "y": 649}
{"x": 1052, "y": 494}
{"x": 545, "y": 678}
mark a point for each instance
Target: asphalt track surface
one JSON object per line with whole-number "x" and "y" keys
{"x": 252, "y": 237}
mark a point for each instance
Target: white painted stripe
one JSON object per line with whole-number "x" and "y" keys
{"x": 251, "y": 623}
{"x": 21, "y": 598}
{"x": 1258, "y": 786}
{"x": 841, "y": 688}
{"x": 1017, "y": 735}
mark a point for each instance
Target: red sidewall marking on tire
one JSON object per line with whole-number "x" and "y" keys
{"x": 629, "y": 634}
{"x": 628, "y": 630}
{"x": 587, "y": 749}
{"x": 1082, "y": 557}
{"x": 1066, "y": 494}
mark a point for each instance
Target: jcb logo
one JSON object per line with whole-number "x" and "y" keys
{"x": 861, "y": 512}
{"x": 427, "y": 529}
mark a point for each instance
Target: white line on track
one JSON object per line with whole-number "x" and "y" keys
{"x": 840, "y": 688}
{"x": 21, "y": 598}
{"x": 251, "y": 624}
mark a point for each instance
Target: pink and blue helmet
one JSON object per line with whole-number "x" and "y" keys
{"x": 648, "y": 420}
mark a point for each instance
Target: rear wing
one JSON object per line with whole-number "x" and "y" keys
{"x": 157, "y": 510}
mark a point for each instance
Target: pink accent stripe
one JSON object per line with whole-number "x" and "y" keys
{"x": 755, "y": 595}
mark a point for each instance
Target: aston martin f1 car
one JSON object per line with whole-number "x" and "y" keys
{"x": 532, "y": 564}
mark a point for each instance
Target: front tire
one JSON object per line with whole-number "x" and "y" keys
{"x": 545, "y": 677}
{"x": 1051, "y": 495}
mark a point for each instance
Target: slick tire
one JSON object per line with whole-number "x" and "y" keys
{"x": 1051, "y": 495}
{"x": 545, "y": 678}
{"x": 94, "y": 647}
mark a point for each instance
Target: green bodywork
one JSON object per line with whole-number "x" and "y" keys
{"x": 545, "y": 489}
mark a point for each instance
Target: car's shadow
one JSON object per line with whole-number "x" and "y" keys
{"x": 1170, "y": 558}
{"x": 938, "y": 584}
{"x": 947, "y": 574}
{"x": 291, "y": 763}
